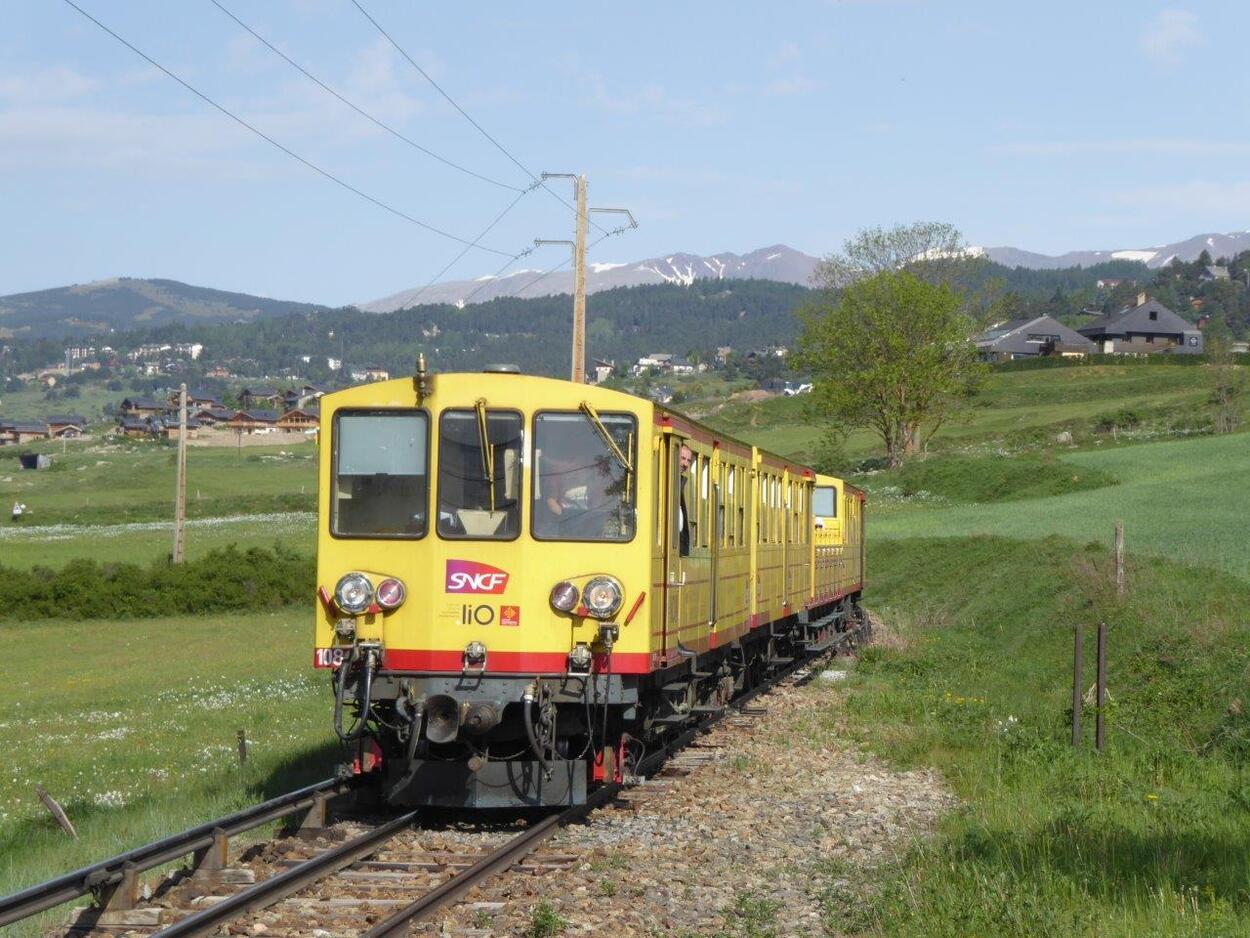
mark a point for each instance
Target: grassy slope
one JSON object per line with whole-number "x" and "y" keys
{"x": 1184, "y": 499}
{"x": 1018, "y": 407}
{"x": 1146, "y": 839}
{"x": 135, "y": 752}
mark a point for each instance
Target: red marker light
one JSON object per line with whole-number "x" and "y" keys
{"x": 390, "y": 593}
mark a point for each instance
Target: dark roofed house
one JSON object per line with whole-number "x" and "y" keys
{"x": 26, "y": 431}
{"x": 250, "y": 421}
{"x": 137, "y": 427}
{"x": 300, "y": 419}
{"x": 211, "y": 416}
{"x": 1145, "y": 328}
{"x": 142, "y": 407}
{"x": 66, "y": 426}
{"x": 1213, "y": 272}
{"x": 1031, "y": 338}
{"x": 253, "y": 397}
{"x": 196, "y": 399}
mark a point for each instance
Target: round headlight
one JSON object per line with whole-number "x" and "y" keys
{"x": 602, "y": 597}
{"x": 391, "y": 593}
{"x": 564, "y": 596}
{"x": 354, "y": 593}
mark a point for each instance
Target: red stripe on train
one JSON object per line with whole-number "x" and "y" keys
{"x": 507, "y": 662}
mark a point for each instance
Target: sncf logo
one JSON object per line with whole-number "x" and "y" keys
{"x": 466, "y": 576}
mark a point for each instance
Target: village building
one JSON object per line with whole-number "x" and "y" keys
{"x": 253, "y": 421}
{"x": 1212, "y": 273}
{"x": 66, "y": 426}
{"x": 299, "y": 420}
{"x": 259, "y": 397}
{"x": 1031, "y": 338}
{"x": 212, "y": 416}
{"x": 1148, "y": 327}
{"x": 142, "y": 407}
{"x": 18, "y": 432}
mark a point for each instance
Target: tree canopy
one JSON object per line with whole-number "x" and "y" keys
{"x": 894, "y": 355}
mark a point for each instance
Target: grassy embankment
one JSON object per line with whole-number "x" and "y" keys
{"x": 1016, "y": 410}
{"x": 132, "y": 727}
{"x": 1147, "y": 838}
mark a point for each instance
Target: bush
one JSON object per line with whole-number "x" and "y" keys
{"x": 224, "y": 580}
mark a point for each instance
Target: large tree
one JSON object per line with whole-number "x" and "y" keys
{"x": 929, "y": 249}
{"x": 892, "y": 354}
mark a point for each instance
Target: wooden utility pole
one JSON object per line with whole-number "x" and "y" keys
{"x": 180, "y": 497}
{"x": 579, "y": 286}
{"x": 578, "y": 370}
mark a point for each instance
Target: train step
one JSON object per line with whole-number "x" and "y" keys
{"x": 673, "y": 719}
{"x": 700, "y": 675}
{"x": 705, "y": 709}
{"x": 676, "y": 687}
{"x": 838, "y": 639}
{"x": 780, "y": 661}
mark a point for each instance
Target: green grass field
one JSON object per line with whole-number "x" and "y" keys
{"x": 132, "y": 728}
{"x": 1183, "y": 499}
{"x": 1014, "y": 410}
{"x": 108, "y": 483}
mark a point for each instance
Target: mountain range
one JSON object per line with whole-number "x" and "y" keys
{"x": 123, "y": 303}
{"x": 778, "y": 262}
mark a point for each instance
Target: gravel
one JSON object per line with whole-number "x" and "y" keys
{"x": 773, "y": 811}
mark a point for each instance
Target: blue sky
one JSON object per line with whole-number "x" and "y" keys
{"x": 724, "y": 127}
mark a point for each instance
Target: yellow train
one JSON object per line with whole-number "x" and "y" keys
{"x": 524, "y": 582}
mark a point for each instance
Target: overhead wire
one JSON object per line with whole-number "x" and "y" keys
{"x": 289, "y": 152}
{"x": 542, "y": 276}
{"x": 399, "y": 135}
{"x": 465, "y": 114}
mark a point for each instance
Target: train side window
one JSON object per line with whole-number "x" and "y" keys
{"x": 479, "y": 474}
{"x": 705, "y": 495}
{"x": 381, "y": 474}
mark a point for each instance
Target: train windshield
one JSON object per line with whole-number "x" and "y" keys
{"x": 479, "y": 474}
{"x": 380, "y": 474}
{"x": 583, "y": 485}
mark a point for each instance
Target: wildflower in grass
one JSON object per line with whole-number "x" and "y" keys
{"x": 109, "y": 799}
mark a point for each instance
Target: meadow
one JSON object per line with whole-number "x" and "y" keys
{"x": 136, "y": 747}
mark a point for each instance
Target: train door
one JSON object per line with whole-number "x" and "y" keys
{"x": 678, "y": 529}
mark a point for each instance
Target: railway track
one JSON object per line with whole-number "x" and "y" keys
{"x": 364, "y": 883}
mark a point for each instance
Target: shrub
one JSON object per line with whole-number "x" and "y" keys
{"x": 224, "y": 580}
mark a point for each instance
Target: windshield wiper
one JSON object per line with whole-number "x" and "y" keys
{"x": 488, "y": 451}
{"x": 598, "y": 424}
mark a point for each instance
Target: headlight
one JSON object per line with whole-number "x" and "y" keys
{"x": 354, "y": 593}
{"x": 391, "y": 593}
{"x": 602, "y": 597}
{"x": 564, "y": 596}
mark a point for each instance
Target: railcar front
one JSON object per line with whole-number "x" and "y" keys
{"x": 482, "y": 583}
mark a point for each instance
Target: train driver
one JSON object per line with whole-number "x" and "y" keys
{"x": 684, "y": 458}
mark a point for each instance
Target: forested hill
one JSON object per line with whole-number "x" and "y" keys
{"x": 124, "y": 303}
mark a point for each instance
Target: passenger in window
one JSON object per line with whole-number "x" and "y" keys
{"x": 685, "y": 458}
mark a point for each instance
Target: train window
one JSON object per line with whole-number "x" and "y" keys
{"x": 825, "y": 501}
{"x": 381, "y": 474}
{"x": 479, "y": 474}
{"x": 584, "y": 487}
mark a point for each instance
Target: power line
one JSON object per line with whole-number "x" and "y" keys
{"x": 463, "y": 113}
{"x": 289, "y": 152}
{"x": 551, "y": 270}
{"x": 359, "y": 110}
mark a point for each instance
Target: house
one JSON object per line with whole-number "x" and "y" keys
{"x": 57, "y": 423}
{"x": 374, "y": 373}
{"x": 1030, "y": 338}
{"x": 299, "y": 420}
{"x": 660, "y": 361}
{"x": 196, "y": 399}
{"x": 1144, "y": 328}
{"x": 298, "y": 398}
{"x": 135, "y": 427}
{"x": 142, "y": 407}
{"x": 1109, "y": 283}
{"x": 602, "y": 371}
{"x": 723, "y": 352}
{"x": 23, "y": 431}
{"x": 680, "y": 366}
{"x": 660, "y": 394}
{"x": 1213, "y": 273}
{"x": 168, "y": 428}
{"x": 253, "y": 421}
{"x": 212, "y": 416}
{"x": 257, "y": 397}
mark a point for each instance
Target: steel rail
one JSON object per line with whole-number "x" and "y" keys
{"x": 270, "y": 890}
{"x": 517, "y": 848}
{"x": 106, "y": 873}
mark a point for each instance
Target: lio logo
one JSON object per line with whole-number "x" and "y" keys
{"x": 468, "y": 576}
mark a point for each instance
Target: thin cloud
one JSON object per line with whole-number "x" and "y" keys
{"x": 1178, "y": 146}
{"x": 1199, "y": 197}
{"x": 45, "y": 86}
{"x": 1170, "y": 35}
{"x": 790, "y": 87}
